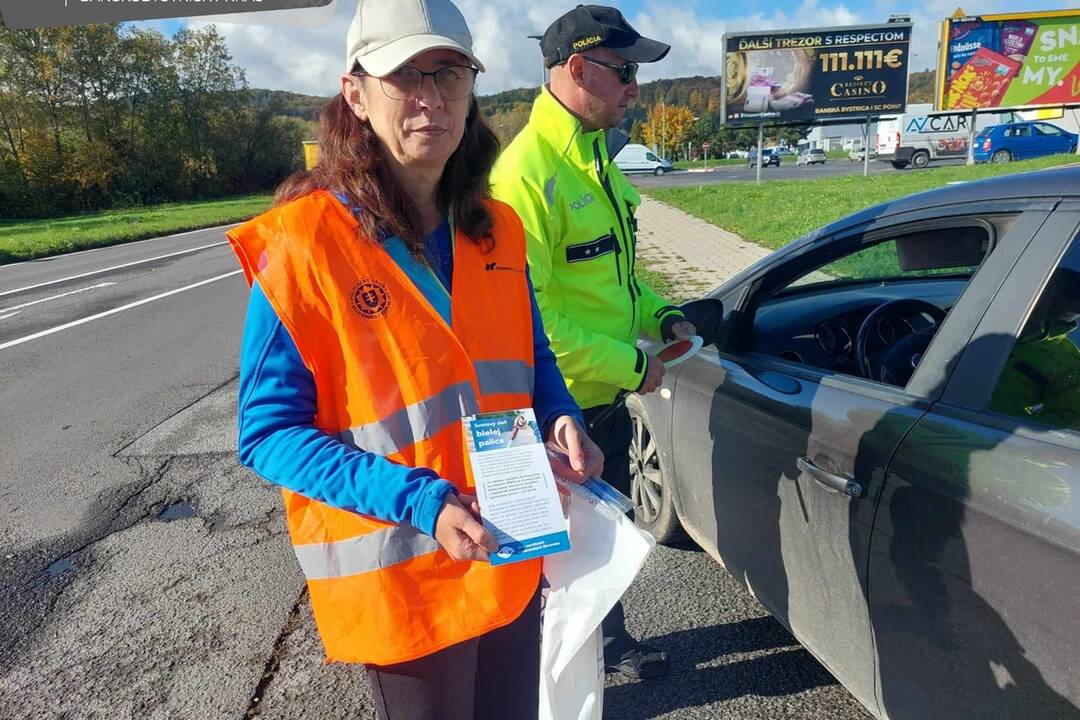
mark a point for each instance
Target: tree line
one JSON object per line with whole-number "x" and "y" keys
{"x": 104, "y": 116}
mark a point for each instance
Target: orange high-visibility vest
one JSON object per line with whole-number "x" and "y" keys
{"x": 391, "y": 377}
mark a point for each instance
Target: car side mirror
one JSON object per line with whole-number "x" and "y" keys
{"x": 707, "y": 314}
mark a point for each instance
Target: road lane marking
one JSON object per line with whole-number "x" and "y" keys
{"x": 98, "y": 316}
{"x": 54, "y": 297}
{"x": 114, "y": 267}
{"x": 5, "y": 317}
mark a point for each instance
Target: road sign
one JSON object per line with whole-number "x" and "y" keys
{"x": 705, "y": 146}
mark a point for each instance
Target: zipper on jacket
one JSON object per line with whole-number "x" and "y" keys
{"x": 622, "y": 227}
{"x": 618, "y": 251}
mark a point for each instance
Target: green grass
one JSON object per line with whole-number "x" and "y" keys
{"x": 778, "y": 211}
{"x": 656, "y": 280}
{"x": 26, "y": 240}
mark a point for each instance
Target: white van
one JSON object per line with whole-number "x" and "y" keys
{"x": 917, "y": 138}
{"x": 638, "y": 158}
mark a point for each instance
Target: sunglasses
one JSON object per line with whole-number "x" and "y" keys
{"x": 627, "y": 71}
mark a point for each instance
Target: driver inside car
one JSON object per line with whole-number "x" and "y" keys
{"x": 1041, "y": 379}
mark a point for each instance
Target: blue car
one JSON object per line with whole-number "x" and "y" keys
{"x": 1022, "y": 140}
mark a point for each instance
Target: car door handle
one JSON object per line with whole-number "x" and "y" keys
{"x": 831, "y": 482}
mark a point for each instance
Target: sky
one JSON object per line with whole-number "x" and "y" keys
{"x": 303, "y": 50}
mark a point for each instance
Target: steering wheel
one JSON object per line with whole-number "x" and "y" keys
{"x": 899, "y": 359}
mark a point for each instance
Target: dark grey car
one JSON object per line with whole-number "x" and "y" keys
{"x": 881, "y": 440}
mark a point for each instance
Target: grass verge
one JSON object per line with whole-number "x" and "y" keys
{"x": 778, "y": 211}
{"x": 26, "y": 240}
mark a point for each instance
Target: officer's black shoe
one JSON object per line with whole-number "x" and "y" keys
{"x": 640, "y": 662}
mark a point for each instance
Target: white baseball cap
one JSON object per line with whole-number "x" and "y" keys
{"x": 386, "y": 34}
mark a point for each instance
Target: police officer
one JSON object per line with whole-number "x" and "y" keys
{"x": 578, "y": 212}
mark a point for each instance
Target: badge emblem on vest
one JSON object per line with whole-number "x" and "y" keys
{"x": 370, "y": 299}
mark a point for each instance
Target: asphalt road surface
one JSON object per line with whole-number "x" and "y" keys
{"x": 788, "y": 170}
{"x": 147, "y": 575}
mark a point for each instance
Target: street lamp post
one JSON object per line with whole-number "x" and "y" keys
{"x": 543, "y": 69}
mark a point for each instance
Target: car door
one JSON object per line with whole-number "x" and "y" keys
{"x": 780, "y": 464}
{"x": 975, "y": 558}
{"x": 1022, "y": 145}
{"x": 1051, "y": 139}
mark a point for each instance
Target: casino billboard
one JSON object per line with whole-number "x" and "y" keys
{"x": 804, "y": 76}
{"x": 1013, "y": 60}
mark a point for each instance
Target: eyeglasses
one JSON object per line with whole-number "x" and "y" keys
{"x": 453, "y": 82}
{"x": 627, "y": 71}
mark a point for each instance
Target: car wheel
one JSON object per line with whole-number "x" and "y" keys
{"x": 1001, "y": 156}
{"x": 650, "y": 486}
{"x": 898, "y": 165}
{"x": 920, "y": 159}
{"x": 658, "y": 171}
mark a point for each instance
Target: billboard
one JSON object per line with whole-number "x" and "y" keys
{"x": 801, "y": 76}
{"x": 1009, "y": 61}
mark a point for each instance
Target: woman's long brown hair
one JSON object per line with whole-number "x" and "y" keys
{"x": 351, "y": 163}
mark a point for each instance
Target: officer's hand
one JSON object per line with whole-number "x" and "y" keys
{"x": 654, "y": 376}
{"x": 458, "y": 531}
{"x": 683, "y": 330}
{"x": 583, "y": 459}
{"x": 676, "y": 327}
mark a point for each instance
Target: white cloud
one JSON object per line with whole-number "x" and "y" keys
{"x": 303, "y": 51}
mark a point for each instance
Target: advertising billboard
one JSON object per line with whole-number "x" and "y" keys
{"x": 1009, "y": 61}
{"x": 801, "y": 76}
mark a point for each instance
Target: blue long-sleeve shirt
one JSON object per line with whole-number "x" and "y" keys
{"x": 277, "y": 407}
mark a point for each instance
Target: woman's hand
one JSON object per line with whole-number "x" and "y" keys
{"x": 458, "y": 530}
{"x": 585, "y": 458}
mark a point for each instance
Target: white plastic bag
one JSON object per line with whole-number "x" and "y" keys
{"x": 607, "y": 552}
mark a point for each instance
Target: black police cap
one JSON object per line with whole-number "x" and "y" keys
{"x": 591, "y": 26}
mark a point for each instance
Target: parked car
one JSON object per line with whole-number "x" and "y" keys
{"x": 811, "y": 156}
{"x": 1022, "y": 140}
{"x": 918, "y": 138}
{"x": 769, "y": 155}
{"x": 881, "y": 440}
{"x": 638, "y": 158}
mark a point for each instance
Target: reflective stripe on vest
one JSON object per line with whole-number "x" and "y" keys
{"x": 414, "y": 423}
{"x": 365, "y": 553}
{"x": 504, "y": 376}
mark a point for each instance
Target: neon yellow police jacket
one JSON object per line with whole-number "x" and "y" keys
{"x": 578, "y": 211}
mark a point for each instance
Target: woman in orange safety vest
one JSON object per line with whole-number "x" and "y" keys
{"x": 390, "y": 298}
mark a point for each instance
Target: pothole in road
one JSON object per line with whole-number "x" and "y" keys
{"x": 178, "y": 511}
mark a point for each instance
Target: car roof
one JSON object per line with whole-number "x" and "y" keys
{"x": 1051, "y": 183}
{"x": 1061, "y": 182}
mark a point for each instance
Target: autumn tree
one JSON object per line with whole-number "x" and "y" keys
{"x": 667, "y": 126}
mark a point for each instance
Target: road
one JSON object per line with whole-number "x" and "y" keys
{"x": 147, "y": 575}
{"x": 786, "y": 171}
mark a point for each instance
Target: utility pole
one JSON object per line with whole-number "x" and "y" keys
{"x": 543, "y": 69}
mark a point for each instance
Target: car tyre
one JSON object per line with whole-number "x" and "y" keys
{"x": 658, "y": 171}
{"x": 898, "y": 165}
{"x": 650, "y": 484}
{"x": 1001, "y": 156}
{"x": 920, "y": 159}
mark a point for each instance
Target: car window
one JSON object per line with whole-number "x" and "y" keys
{"x": 1047, "y": 129}
{"x": 1041, "y": 379}
{"x": 819, "y": 319}
{"x": 1021, "y": 131}
{"x": 651, "y": 157}
{"x": 896, "y": 259}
